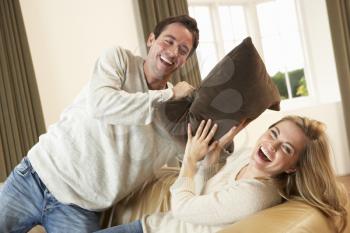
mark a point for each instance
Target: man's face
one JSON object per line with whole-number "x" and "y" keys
{"x": 169, "y": 51}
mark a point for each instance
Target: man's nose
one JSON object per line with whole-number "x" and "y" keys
{"x": 173, "y": 51}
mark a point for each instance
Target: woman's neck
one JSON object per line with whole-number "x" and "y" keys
{"x": 248, "y": 172}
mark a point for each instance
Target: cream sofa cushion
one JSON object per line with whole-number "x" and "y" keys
{"x": 152, "y": 197}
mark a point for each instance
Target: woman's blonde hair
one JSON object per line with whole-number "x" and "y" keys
{"x": 314, "y": 181}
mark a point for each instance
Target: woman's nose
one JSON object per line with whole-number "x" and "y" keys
{"x": 274, "y": 145}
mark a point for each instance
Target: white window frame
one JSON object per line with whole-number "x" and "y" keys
{"x": 253, "y": 31}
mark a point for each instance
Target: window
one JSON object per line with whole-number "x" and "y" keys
{"x": 274, "y": 28}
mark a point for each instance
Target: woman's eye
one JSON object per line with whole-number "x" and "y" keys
{"x": 287, "y": 149}
{"x": 273, "y": 134}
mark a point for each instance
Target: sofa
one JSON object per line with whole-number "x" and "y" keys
{"x": 291, "y": 216}
{"x": 154, "y": 196}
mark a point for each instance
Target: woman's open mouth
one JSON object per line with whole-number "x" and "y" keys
{"x": 264, "y": 155}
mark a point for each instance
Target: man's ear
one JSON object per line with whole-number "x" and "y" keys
{"x": 151, "y": 39}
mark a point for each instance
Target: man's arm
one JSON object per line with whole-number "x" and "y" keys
{"x": 108, "y": 102}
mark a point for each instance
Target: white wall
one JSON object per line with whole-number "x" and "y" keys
{"x": 65, "y": 39}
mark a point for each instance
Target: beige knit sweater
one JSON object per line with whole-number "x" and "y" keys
{"x": 107, "y": 142}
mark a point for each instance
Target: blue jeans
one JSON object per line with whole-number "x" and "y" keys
{"x": 133, "y": 227}
{"x": 25, "y": 202}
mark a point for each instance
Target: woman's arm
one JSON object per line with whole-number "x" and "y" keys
{"x": 225, "y": 206}
{"x": 204, "y": 209}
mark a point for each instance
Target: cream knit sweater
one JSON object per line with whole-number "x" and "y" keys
{"x": 107, "y": 142}
{"x": 222, "y": 202}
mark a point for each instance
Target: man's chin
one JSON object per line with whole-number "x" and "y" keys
{"x": 164, "y": 75}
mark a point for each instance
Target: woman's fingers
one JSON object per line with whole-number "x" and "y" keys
{"x": 200, "y": 129}
{"x": 189, "y": 131}
{"x": 206, "y": 130}
{"x": 213, "y": 146}
{"x": 211, "y": 133}
{"x": 227, "y": 137}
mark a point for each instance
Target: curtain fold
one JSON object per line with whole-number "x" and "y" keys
{"x": 21, "y": 117}
{"x": 153, "y": 11}
{"x": 339, "y": 20}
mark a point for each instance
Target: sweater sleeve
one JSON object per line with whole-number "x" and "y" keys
{"x": 109, "y": 102}
{"x": 203, "y": 174}
{"x": 226, "y": 206}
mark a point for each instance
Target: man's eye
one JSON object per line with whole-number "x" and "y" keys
{"x": 183, "y": 51}
{"x": 168, "y": 42}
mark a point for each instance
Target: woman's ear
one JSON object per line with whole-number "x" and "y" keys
{"x": 151, "y": 39}
{"x": 291, "y": 170}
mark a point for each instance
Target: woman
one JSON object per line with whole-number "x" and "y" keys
{"x": 291, "y": 160}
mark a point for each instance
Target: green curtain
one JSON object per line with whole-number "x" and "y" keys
{"x": 339, "y": 20}
{"x": 153, "y": 11}
{"x": 21, "y": 117}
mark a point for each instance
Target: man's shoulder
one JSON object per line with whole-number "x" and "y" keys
{"x": 122, "y": 52}
{"x": 119, "y": 56}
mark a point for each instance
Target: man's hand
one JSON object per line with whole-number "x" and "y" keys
{"x": 181, "y": 90}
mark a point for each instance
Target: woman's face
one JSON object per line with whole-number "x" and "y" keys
{"x": 278, "y": 149}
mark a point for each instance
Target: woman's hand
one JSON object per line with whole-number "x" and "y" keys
{"x": 214, "y": 153}
{"x": 198, "y": 145}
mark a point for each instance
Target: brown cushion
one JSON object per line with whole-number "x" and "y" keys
{"x": 237, "y": 88}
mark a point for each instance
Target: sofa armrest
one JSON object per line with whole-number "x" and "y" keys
{"x": 291, "y": 217}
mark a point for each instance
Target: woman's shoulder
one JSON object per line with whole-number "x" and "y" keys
{"x": 261, "y": 192}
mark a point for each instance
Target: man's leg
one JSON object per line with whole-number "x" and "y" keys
{"x": 20, "y": 200}
{"x": 133, "y": 227}
{"x": 58, "y": 217}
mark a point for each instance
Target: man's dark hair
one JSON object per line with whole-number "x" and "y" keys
{"x": 187, "y": 21}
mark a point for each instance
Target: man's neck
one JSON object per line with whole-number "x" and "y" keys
{"x": 157, "y": 84}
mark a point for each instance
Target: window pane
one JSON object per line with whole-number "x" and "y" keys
{"x": 298, "y": 83}
{"x": 280, "y": 38}
{"x": 202, "y": 15}
{"x": 233, "y": 25}
{"x": 206, "y": 51}
{"x": 229, "y": 45}
{"x": 267, "y": 15}
{"x": 280, "y": 80}
{"x": 273, "y": 54}
{"x": 207, "y": 57}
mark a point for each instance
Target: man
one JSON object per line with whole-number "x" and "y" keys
{"x": 106, "y": 143}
